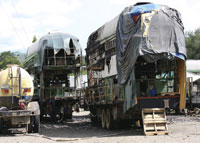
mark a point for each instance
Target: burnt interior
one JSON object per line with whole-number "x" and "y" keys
{"x": 71, "y": 47}
{"x": 61, "y": 57}
{"x": 157, "y": 78}
{"x": 56, "y": 79}
{"x": 52, "y": 58}
{"x": 49, "y": 56}
{"x": 98, "y": 56}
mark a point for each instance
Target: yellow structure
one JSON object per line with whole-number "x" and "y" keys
{"x": 15, "y": 84}
{"x": 181, "y": 71}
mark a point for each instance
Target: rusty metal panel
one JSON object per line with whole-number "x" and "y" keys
{"x": 20, "y": 120}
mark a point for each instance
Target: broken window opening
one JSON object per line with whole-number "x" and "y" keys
{"x": 157, "y": 78}
{"x": 61, "y": 57}
{"x": 108, "y": 64}
{"x": 71, "y": 46}
{"x": 49, "y": 56}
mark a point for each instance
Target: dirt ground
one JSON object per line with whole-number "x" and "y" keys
{"x": 79, "y": 130}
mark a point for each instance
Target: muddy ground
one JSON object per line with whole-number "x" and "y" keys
{"x": 79, "y": 130}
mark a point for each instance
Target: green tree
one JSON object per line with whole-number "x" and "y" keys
{"x": 7, "y": 58}
{"x": 192, "y": 40}
{"x": 34, "y": 39}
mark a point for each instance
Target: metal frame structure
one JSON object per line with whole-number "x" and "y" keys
{"x": 151, "y": 84}
{"x": 52, "y": 80}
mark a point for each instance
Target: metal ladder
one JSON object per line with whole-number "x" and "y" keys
{"x": 13, "y": 86}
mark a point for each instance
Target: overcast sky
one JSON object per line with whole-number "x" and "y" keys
{"x": 20, "y": 20}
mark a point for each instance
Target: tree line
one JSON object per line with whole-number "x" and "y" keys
{"x": 192, "y": 40}
{"x": 8, "y": 58}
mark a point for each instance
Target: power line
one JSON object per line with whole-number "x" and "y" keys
{"x": 12, "y": 24}
{"x": 27, "y": 37}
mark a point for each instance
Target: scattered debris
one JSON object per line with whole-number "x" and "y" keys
{"x": 195, "y": 112}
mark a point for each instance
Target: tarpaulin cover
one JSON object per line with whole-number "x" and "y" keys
{"x": 159, "y": 29}
{"x": 148, "y": 30}
{"x": 139, "y": 9}
{"x": 107, "y": 30}
{"x": 56, "y": 41}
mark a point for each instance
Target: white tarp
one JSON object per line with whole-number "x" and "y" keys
{"x": 193, "y": 75}
{"x": 193, "y": 65}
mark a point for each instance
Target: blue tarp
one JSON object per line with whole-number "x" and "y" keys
{"x": 165, "y": 34}
{"x": 181, "y": 56}
{"x": 139, "y": 9}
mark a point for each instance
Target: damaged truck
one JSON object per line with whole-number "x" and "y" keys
{"x": 52, "y": 60}
{"x": 136, "y": 61}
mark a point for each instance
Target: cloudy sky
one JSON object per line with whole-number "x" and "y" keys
{"x": 20, "y": 20}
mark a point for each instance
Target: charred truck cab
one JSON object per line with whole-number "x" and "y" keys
{"x": 52, "y": 60}
{"x": 136, "y": 61}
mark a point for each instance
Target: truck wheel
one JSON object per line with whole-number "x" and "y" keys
{"x": 41, "y": 116}
{"x": 125, "y": 124}
{"x": 93, "y": 120}
{"x": 103, "y": 118}
{"x": 141, "y": 124}
{"x": 109, "y": 119}
{"x": 68, "y": 113}
{"x": 36, "y": 128}
{"x": 30, "y": 126}
{"x": 1, "y": 126}
{"x": 70, "y": 116}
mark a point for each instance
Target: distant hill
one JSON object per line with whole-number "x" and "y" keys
{"x": 20, "y": 56}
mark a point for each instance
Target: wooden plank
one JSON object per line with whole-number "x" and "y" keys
{"x": 160, "y": 127}
{"x": 156, "y": 133}
{"x": 150, "y": 110}
{"x": 156, "y": 116}
{"x": 155, "y": 128}
{"x": 154, "y": 121}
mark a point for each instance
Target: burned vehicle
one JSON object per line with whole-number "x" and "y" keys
{"x": 136, "y": 61}
{"x": 51, "y": 61}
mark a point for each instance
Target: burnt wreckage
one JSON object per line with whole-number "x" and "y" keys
{"x": 53, "y": 60}
{"x": 136, "y": 61}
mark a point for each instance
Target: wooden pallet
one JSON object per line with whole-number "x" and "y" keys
{"x": 154, "y": 121}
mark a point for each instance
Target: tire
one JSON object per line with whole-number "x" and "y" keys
{"x": 70, "y": 116}
{"x": 141, "y": 124}
{"x": 41, "y": 116}
{"x": 30, "y": 126}
{"x": 124, "y": 124}
{"x": 93, "y": 117}
{"x": 36, "y": 127}
{"x": 103, "y": 118}
{"x": 94, "y": 120}
{"x": 109, "y": 120}
{"x": 1, "y": 126}
{"x": 68, "y": 113}
{"x": 67, "y": 116}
